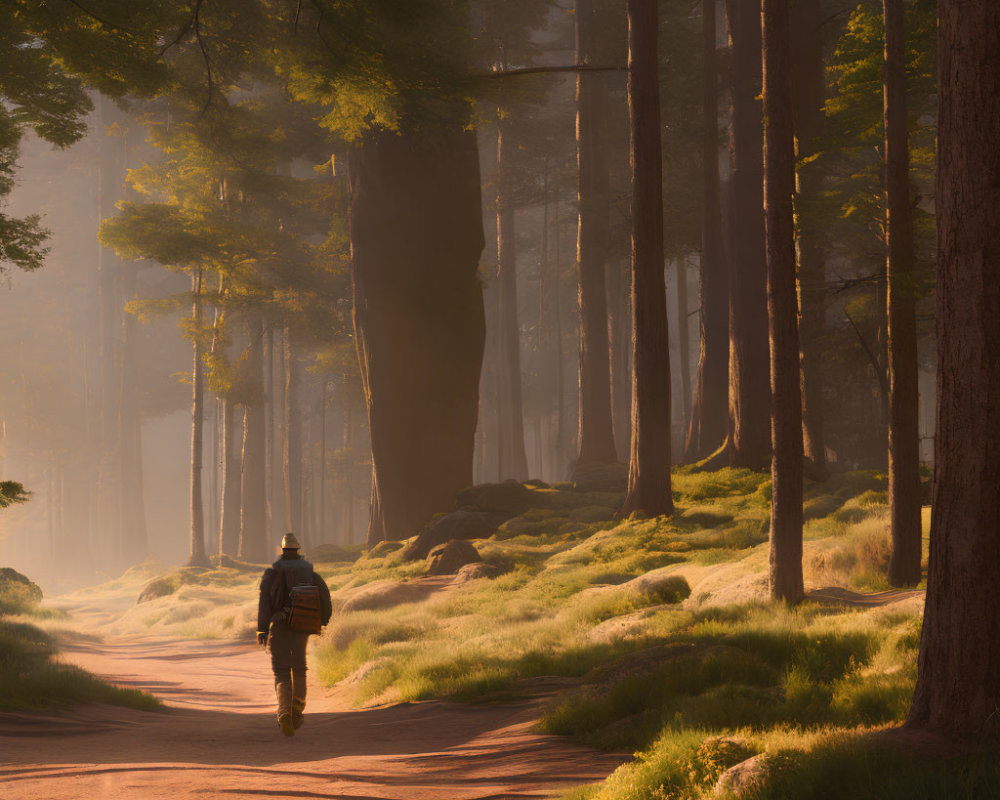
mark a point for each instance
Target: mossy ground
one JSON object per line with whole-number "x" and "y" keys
{"x": 656, "y": 634}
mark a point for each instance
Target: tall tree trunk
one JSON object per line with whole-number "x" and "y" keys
{"x": 649, "y": 458}
{"x": 904, "y": 399}
{"x": 620, "y": 334}
{"x": 748, "y": 332}
{"x": 786, "y": 395}
{"x": 418, "y": 317}
{"x": 270, "y": 454}
{"x": 291, "y": 459}
{"x": 134, "y": 542}
{"x": 958, "y": 683}
{"x": 809, "y": 95}
{"x": 595, "y": 442}
{"x": 348, "y": 437}
{"x": 321, "y": 534}
{"x": 510, "y": 406}
{"x": 198, "y": 555}
{"x": 562, "y": 426}
{"x": 710, "y": 409}
{"x": 683, "y": 338}
{"x": 253, "y": 487}
{"x": 229, "y": 519}
{"x": 111, "y": 171}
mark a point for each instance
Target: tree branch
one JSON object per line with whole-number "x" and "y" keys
{"x": 505, "y": 73}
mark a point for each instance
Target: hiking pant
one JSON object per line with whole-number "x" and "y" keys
{"x": 288, "y": 660}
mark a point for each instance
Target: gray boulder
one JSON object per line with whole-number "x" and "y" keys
{"x": 510, "y": 498}
{"x": 460, "y": 524}
{"x": 449, "y": 558}
{"x": 746, "y": 777}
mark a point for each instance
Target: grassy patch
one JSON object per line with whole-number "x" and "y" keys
{"x": 31, "y": 678}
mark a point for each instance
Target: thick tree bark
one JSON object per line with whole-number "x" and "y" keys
{"x": 748, "y": 331}
{"x": 253, "y": 487}
{"x": 904, "y": 407}
{"x": 786, "y": 396}
{"x": 620, "y": 334}
{"x": 683, "y": 339}
{"x": 510, "y": 405}
{"x": 321, "y": 535}
{"x": 809, "y": 95}
{"x": 229, "y": 517}
{"x": 710, "y": 409}
{"x": 198, "y": 556}
{"x": 649, "y": 459}
{"x": 291, "y": 459}
{"x": 418, "y": 317}
{"x": 595, "y": 440}
{"x": 958, "y": 683}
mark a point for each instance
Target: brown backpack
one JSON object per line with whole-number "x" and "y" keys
{"x": 302, "y": 607}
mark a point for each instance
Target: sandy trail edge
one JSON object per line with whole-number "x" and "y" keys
{"x": 219, "y": 739}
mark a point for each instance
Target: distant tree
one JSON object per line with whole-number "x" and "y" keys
{"x": 748, "y": 349}
{"x": 901, "y": 293}
{"x": 786, "y": 397}
{"x": 596, "y": 440}
{"x": 808, "y": 95}
{"x": 958, "y": 685}
{"x": 649, "y": 458}
{"x": 710, "y": 409}
{"x": 12, "y": 493}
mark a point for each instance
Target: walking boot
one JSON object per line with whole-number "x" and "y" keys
{"x": 284, "y": 693}
{"x": 298, "y": 702}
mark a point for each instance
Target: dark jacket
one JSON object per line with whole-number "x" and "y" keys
{"x": 274, "y": 587}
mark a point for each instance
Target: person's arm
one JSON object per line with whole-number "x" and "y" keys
{"x": 325, "y": 603}
{"x": 264, "y": 606}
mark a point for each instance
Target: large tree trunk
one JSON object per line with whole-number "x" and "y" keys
{"x": 110, "y": 176}
{"x": 229, "y": 519}
{"x": 198, "y": 555}
{"x": 595, "y": 442}
{"x": 513, "y": 460}
{"x": 904, "y": 400}
{"x": 683, "y": 339}
{"x": 809, "y": 94}
{"x": 253, "y": 488}
{"x": 134, "y": 542}
{"x": 291, "y": 459}
{"x": 748, "y": 334}
{"x": 782, "y": 312}
{"x": 649, "y": 459}
{"x": 418, "y": 317}
{"x": 958, "y": 683}
{"x": 710, "y": 408}
{"x": 620, "y": 334}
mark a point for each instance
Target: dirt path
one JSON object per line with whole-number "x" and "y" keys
{"x": 219, "y": 739}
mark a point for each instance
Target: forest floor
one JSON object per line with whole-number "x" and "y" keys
{"x": 217, "y": 738}
{"x": 653, "y": 638}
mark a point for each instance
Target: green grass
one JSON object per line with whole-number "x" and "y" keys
{"x": 31, "y": 678}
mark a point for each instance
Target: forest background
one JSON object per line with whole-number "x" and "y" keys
{"x": 218, "y": 179}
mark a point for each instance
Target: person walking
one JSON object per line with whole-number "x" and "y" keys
{"x": 294, "y": 603}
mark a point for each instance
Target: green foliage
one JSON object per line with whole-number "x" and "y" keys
{"x": 35, "y": 94}
{"x": 12, "y": 492}
{"x": 18, "y": 593}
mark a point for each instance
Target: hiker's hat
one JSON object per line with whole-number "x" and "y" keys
{"x": 289, "y": 542}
